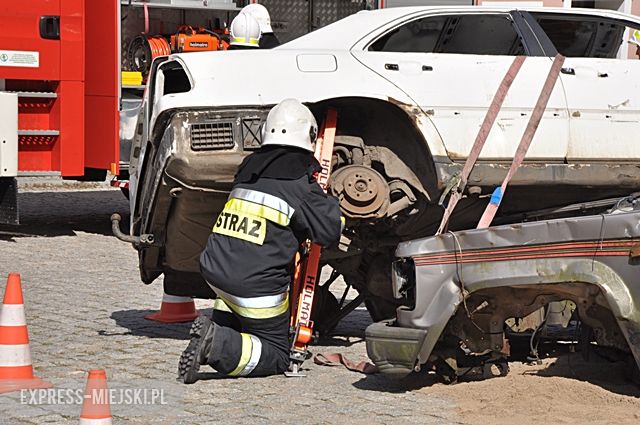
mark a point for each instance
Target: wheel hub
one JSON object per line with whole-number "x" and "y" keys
{"x": 362, "y": 191}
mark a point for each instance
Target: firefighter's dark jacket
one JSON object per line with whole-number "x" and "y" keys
{"x": 250, "y": 254}
{"x": 268, "y": 40}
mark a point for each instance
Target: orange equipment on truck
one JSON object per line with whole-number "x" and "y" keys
{"x": 308, "y": 266}
{"x": 199, "y": 39}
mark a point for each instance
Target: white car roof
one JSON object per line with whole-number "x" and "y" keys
{"x": 343, "y": 34}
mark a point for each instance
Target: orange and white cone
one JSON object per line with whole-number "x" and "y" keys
{"x": 95, "y": 407}
{"x": 175, "y": 310}
{"x": 16, "y": 370}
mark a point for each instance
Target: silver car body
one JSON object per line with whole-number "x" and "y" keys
{"x": 486, "y": 276}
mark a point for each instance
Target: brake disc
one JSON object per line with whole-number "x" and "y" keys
{"x": 362, "y": 191}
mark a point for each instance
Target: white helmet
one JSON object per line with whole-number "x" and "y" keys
{"x": 261, "y": 14}
{"x": 290, "y": 123}
{"x": 245, "y": 31}
{"x": 635, "y": 38}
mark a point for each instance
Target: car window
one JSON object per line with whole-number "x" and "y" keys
{"x": 582, "y": 36}
{"x": 466, "y": 34}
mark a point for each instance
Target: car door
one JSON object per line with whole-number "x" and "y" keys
{"x": 602, "y": 88}
{"x": 452, "y": 64}
{"x": 141, "y": 170}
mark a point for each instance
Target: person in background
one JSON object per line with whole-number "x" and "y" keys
{"x": 245, "y": 33}
{"x": 258, "y": 11}
{"x": 635, "y": 40}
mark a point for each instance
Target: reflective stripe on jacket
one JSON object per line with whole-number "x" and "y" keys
{"x": 264, "y": 307}
{"x": 254, "y": 239}
{"x": 245, "y": 214}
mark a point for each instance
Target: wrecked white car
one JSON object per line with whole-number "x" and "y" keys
{"x": 411, "y": 87}
{"x": 459, "y": 290}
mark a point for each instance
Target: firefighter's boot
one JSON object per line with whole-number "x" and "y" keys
{"x": 197, "y": 352}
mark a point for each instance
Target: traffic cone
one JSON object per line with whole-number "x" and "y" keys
{"x": 174, "y": 310}
{"x": 16, "y": 370}
{"x": 95, "y": 407}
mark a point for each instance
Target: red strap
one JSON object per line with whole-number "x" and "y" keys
{"x": 309, "y": 275}
{"x": 481, "y": 138}
{"x": 337, "y": 359}
{"x": 146, "y": 17}
{"x": 525, "y": 142}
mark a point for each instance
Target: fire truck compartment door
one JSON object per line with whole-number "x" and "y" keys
{"x": 102, "y": 84}
{"x": 24, "y": 54}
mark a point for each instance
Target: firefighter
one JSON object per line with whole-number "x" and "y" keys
{"x": 245, "y": 32}
{"x": 275, "y": 204}
{"x": 635, "y": 40}
{"x": 258, "y": 11}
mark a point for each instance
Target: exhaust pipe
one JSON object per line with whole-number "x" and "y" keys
{"x": 115, "y": 228}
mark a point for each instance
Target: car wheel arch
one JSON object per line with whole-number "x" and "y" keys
{"x": 388, "y": 124}
{"x": 612, "y": 293}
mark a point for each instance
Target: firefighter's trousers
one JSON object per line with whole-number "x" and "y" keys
{"x": 249, "y": 346}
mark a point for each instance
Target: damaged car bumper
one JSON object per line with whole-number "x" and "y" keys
{"x": 394, "y": 349}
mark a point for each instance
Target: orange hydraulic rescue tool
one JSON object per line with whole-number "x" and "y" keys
{"x": 307, "y": 267}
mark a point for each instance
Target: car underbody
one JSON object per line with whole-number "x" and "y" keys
{"x": 387, "y": 182}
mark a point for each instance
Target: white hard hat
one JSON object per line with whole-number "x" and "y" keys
{"x": 261, "y": 14}
{"x": 245, "y": 31}
{"x": 635, "y": 38}
{"x": 290, "y": 123}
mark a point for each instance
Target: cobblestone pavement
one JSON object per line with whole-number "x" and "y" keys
{"x": 85, "y": 307}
